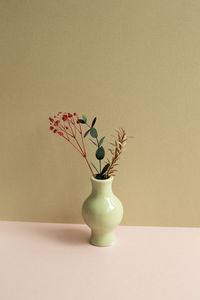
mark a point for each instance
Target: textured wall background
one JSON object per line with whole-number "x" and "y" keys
{"x": 134, "y": 64}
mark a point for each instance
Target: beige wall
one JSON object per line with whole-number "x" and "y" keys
{"x": 134, "y": 64}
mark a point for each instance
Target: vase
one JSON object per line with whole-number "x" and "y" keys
{"x": 102, "y": 211}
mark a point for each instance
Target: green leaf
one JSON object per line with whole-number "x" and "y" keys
{"x": 86, "y": 133}
{"x": 101, "y": 141}
{"x": 84, "y": 118}
{"x": 100, "y": 153}
{"x": 93, "y": 142}
{"x": 93, "y": 122}
{"x": 93, "y": 132}
{"x": 81, "y": 121}
{"x": 100, "y": 176}
{"x": 105, "y": 168}
{"x": 94, "y": 167}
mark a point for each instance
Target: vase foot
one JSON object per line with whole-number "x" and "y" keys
{"x": 103, "y": 240}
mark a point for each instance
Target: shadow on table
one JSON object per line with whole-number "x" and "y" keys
{"x": 71, "y": 235}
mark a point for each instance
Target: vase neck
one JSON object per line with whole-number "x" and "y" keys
{"x": 102, "y": 186}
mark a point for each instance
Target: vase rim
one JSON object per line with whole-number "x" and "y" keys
{"x": 102, "y": 180}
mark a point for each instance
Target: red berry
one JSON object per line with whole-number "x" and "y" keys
{"x": 77, "y": 121}
{"x": 75, "y": 114}
{"x": 65, "y": 117}
{"x": 67, "y": 127}
{"x": 52, "y": 120}
{"x": 51, "y": 127}
{"x": 69, "y": 115}
{"x": 57, "y": 122}
{"x": 55, "y": 130}
{"x": 60, "y": 133}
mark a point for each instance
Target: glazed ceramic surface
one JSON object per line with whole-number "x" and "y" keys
{"x": 102, "y": 211}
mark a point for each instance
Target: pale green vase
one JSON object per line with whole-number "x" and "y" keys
{"x": 102, "y": 211}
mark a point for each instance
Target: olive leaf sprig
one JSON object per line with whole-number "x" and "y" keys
{"x": 100, "y": 152}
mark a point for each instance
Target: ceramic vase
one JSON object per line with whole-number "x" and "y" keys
{"x": 102, "y": 211}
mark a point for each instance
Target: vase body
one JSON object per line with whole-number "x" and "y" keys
{"x": 102, "y": 211}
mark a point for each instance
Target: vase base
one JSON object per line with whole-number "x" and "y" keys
{"x": 102, "y": 242}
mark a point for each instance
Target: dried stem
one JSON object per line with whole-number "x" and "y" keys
{"x": 58, "y": 126}
{"x": 119, "y": 145}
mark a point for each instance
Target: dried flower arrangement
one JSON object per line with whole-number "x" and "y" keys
{"x": 69, "y": 126}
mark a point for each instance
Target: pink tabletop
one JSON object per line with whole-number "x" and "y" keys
{"x": 41, "y": 261}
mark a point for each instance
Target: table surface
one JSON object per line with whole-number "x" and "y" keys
{"x": 45, "y": 261}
